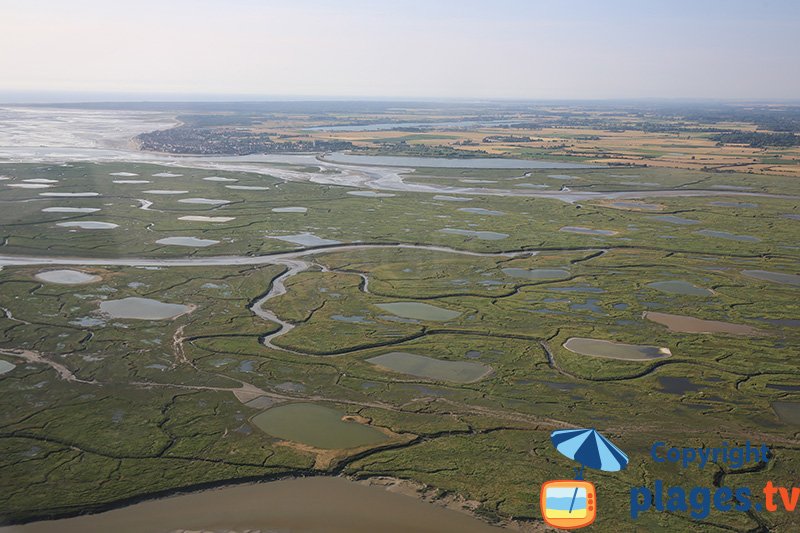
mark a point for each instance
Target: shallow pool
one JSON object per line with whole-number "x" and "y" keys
{"x": 142, "y": 309}
{"x": 316, "y": 425}
{"x": 429, "y": 367}
{"x": 615, "y": 350}
{"x": 680, "y": 287}
{"x": 420, "y": 311}
{"x": 88, "y": 224}
{"x": 193, "y": 242}
{"x": 66, "y": 277}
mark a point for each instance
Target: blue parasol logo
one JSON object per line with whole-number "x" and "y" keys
{"x": 589, "y": 448}
{"x": 571, "y": 504}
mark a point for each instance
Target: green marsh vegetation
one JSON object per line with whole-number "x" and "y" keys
{"x": 152, "y": 406}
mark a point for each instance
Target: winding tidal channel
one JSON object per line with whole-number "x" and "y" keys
{"x": 293, "y": 261}
{"x": 378, "y": 176}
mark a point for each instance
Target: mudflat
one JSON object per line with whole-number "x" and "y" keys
{"x": 311, "y": 505}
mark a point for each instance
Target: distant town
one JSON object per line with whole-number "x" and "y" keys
{"x": 219, "y": 141}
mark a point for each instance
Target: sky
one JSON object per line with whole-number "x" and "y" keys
{"x": 492, "y": 49}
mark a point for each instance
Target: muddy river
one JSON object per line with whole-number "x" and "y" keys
{"x": 310, "y": 505}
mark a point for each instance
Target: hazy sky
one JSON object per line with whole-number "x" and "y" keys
{"x": 349, "y": 48}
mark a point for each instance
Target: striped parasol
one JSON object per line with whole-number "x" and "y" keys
{"x": 589, "y": 448}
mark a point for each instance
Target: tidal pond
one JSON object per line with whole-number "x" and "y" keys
{"x": 29, "y": 185}
{"x": 615, "y": 350}
{"x": 200, "y": 218}
{"x": 69, "y": 194}
{"x": 247, "y": 188}
{"x": 142, "y": 309}
{"x": 88, "y": 224}
{"x": 678, "y": 385}
{"x": 371, "y": 194}
{"x": 352, "y": 319}
{"x": 788, "y": 412}
{"x": 785, "y": 388}
{"x": 70, "y": 209}
{"x": 6, "y": 367}
{"x": 776, "y": 277}
{"x": 306, "y": 239}
{"x": 316, "y": 425}
{"x": 167, "y": 175}
{"x": 420, "y": 311}
{"x": 289, "y": 209}
{"x": 680, "y": 287}
{"x": 428, "y": 367}
{"x": 67, "y": 277}
{"x": 193, "y": 242}
{"x": 688, "y": 324}
{"x": 727, "y": 235}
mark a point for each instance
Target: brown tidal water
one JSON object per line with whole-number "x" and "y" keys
{"x": 308, "y": 505}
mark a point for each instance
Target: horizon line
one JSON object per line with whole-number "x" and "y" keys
{"x": 41, "y": 98}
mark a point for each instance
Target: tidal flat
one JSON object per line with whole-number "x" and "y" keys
{"x": 191, "y": 389}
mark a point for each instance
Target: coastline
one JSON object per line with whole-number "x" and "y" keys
{"x": 418, "y": 491}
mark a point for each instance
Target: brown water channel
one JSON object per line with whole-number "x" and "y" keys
{"x": 310, "y": 505}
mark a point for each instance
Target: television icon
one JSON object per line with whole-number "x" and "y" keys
{"x": 568, "y": 504}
